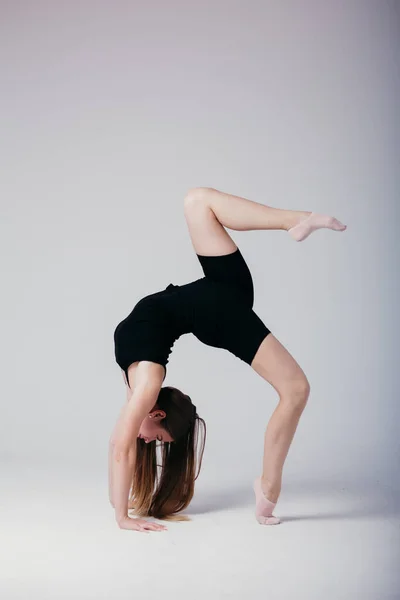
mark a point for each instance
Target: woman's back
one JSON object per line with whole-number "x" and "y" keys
{"x": 206, "y": 307}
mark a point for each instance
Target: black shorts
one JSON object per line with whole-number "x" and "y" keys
{"x": 230, "y": 322}
{"x": 217, "y": 309}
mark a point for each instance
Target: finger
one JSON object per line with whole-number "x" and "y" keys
{"x": 152, "y": 527}
{"x": 152, "y": 524}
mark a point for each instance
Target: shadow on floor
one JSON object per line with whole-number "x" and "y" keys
{"x": 205, "y": 502}
{"x": 363, "y": 500}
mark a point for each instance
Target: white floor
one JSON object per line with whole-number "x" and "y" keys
{"x": 59, "y": 541}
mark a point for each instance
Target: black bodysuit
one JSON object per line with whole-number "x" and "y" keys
{"x": 217, "y": 309}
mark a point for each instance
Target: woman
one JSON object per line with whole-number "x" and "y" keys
{"x": 217, "y": 309}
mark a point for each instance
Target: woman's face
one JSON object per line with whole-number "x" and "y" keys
{"x": 151, "y": 428}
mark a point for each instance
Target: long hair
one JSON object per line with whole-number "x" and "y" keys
{"x": 162, "y": 490}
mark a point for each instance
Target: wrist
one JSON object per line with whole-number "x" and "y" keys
{"x": 122, "y": 522}
{"x": 120, "y": 518}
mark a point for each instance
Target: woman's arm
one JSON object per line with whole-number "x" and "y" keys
{"x": 111, "y": 447}
{"x": 148, "y": 382}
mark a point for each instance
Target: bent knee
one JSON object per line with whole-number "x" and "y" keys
{"x": 297, "y": 392}
{"x": 194, "y": 197}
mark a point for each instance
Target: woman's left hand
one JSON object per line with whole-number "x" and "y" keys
{"x": 140, "y": 525}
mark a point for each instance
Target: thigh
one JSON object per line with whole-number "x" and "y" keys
{"x": 209, "y": 237}
{"x": 236, "y": 328}
{"x": 219, "y": 256}
{"x": 276, "y": 365}
{"x": 232, "y": 272}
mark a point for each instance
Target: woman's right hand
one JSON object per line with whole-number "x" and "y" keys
{"x": 140, "y": 525}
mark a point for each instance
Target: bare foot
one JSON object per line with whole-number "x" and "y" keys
{"x": 313, "y": 222}
{"x": 264, "y": 507}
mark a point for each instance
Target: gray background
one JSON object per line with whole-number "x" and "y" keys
{"x": 110, "y": 112}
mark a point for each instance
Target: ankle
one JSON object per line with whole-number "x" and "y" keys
{"x": 271, "y": 490}
{"x": 295, "y": 218}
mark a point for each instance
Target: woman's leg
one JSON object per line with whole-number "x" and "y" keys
{"x": 207, "y": 210}
{"x": 277, "y": 366}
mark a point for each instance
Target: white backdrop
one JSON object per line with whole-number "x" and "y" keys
{"x": 110, "y": 111}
